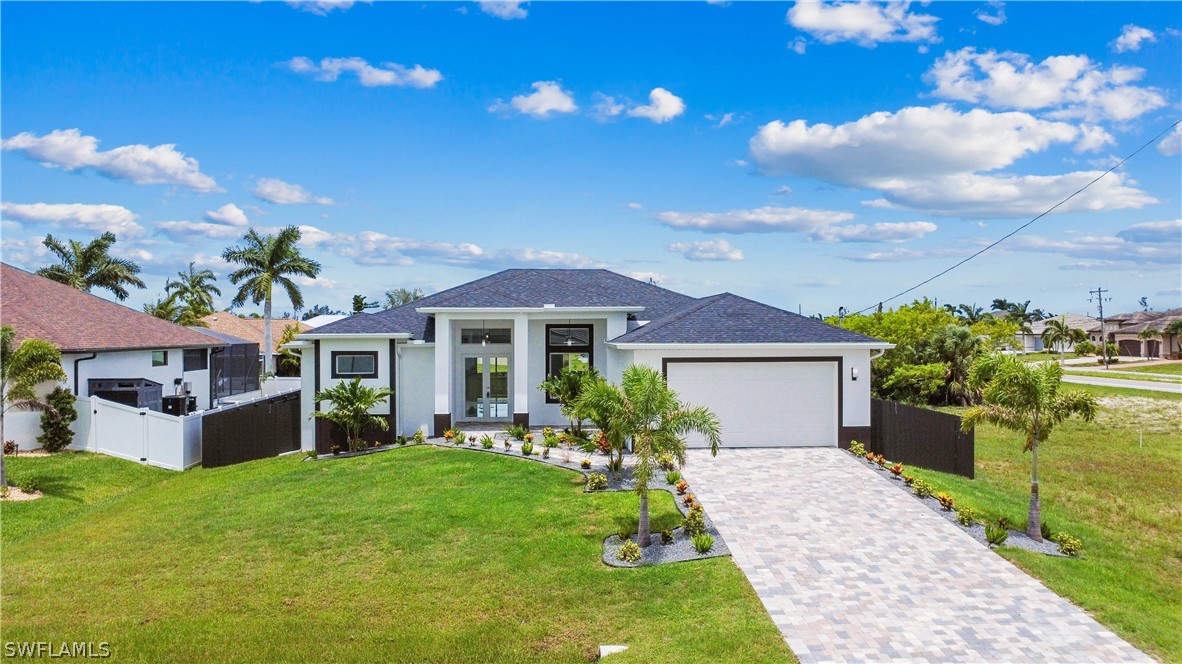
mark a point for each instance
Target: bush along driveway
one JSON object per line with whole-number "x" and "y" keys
{"x": 851, "y": 568}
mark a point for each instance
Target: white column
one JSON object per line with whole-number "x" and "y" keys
{"x": 521, "y": 387}
{"x": 613, "y": 366}
{"x": 443, "y": 364}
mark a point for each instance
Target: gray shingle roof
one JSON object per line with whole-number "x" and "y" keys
{"x": 519, "y": 288}
{"x": 730, "y": 319}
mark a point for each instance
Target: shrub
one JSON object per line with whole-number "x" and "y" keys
{"x": 336, "y": 449}
{"x": 516, "y": 431}
{"x": 547, "y": 432}
{"x": 857, "y": 449}
{"x": 420, "y": 437}
{"x": 694, "y": 523}
{"x": 667, "y": 462}
{"x": 4, "y": 491}
{"x": 703, "y": 542}
{"x": 666, "y": 536}
{"x": 1003, "y": 522}
{"x": 689, "y": 500}
{"x": 460, "y": 437}
{"x": 965, "y": 515}
{"x": 449, "y": 434}
{"x": 945, "y": 501}
{"x": 55, "y": 424}
{"x": 551, "y": 441}
{"x": 896, "y": 469}
{"x": 672, "y": 477}
{"x": 908, "y": 480}
{"x": 1085, "y": 348}
{"x": 921, "y": 488}
{"x": 311, "y": 454}
{"x": 880, "y": 460}
{"x": 681, "y": 485}
{"x": 527, "y": 448}
{"x": 602, "y": 444}
{"x": 27, "y": 484}
{"x": 996, "y": 534}
{"x": 487, "y": 442}
{"x": 596, "y": 481}
{"x": 629, "y": 552}
{"x": 1045, "y": 529}
{"x": 402, "y": 440}
{"x": 10, "y": 447}
{"x": 529, "y": 438}
{"x": 1068, "y": 545}
{"x": 870, "y": 457}
{"x": 624, "y": 532}
{"x": 472, "y": 439}
{"x": 585, "y": 463}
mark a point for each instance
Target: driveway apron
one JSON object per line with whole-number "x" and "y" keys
{"x": 854, "y": 569}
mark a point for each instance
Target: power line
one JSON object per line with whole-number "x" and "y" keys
{"x": 1014, "y": 232}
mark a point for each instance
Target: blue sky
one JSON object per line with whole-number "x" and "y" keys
{"x": 807, "y": 155}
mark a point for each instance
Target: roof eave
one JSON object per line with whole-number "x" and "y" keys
{"x": 529, "y": 310}
{"x": 130, "y": 349}
{"x": 354, "y": 335}
{"x": 854, "y": 345}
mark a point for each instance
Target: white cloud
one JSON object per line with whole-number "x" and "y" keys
{"x": 1093, "y": 139}
{"x": 388, "y": 73}
{"x": 548, "y": 97}
{"x": 1171, "y": 145}
{"x": 781, "y": 191}
{"x": 651, "y": 277}
{"x": 1153, "y": 231}
{"x": 864, "y": 23}
{"x": 879, "y": 232}
{"x": 1131, "y": 37}
{"x": 605, "y": 107}
{"x": 707, "y": 250}
{"x": 323, "y": 7}
{"x": 663, "y": 106}
{"x": 93, "y": 218}
{"x": 504, "y": 9}
{"x": 798, "y": 46}
{"x": 916, "y": 142}
{"x": 813, "y": 282}
{"x": 1068, "y": 86}
{"x": 274, "y": 190}
{"x": 904, "y": 254}
{"x": 1118, "y": 250}
{"x": 24, "y": 252}
{"x": 767, "y": 219}
{"x": 71, "y": 150}
{"x": 228, "y": 214}
{"x": 634, "y": 206}
{"x": 720, "y": 121}
{"x": 998, "y": 16}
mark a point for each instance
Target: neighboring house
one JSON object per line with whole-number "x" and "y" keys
{"x": 251, "y": 329}
{"x": 1030, "y": 340}
{"x": 234, "y": 368}
{"x": 323, "y": 319}
{"x": 1125, "y": 331}
{"x": 108, "y": 350}
{"x": 475, "y": 355}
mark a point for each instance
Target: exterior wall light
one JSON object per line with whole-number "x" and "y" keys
{"x": 853, "y": 373}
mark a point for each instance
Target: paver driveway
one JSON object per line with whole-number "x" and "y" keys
{"x": 853, "y": 569}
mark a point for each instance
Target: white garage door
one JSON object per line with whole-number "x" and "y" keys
{"x": 763, "y": 404}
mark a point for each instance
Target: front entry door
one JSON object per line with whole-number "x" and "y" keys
{"x": 486, "y": 387}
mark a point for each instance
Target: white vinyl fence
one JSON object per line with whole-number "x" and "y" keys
{"x": 142, "y": 435}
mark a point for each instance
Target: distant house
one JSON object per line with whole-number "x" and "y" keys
{"x": 1030, "y": 340}
{"x": 108, "y": 350}
{"x": 251, "y": 329}
{"x": 1126, "y": 330}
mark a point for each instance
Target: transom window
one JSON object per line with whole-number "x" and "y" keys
{"x": 354, "y": 364}
{"x": 567, "y": 346}
{"x": 475, "y": 335}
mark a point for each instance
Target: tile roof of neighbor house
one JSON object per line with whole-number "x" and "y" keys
{"x": 1074, "y": 321}
{"x": 251, "y": 330}
{"x": 1140, "y": 321}
{"x": 729, "y": 319}
{"x": 519, "y": 288}
{"x": 76, "y": 321}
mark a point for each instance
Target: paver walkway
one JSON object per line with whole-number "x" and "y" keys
{"x": 854, "y": 569}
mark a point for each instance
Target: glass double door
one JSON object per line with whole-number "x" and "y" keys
{"x": 486, "y": 387}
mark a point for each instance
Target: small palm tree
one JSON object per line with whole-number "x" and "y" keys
{"x": 644, "y": 409}
{"x": 195, "y": 289}
{"x": 1026, "y": 398}
{"x": 88, "y": 266}
{"x": 566, "y": 386}
{"x": 165, "y": 307}
{"x": 22, "y": 369}
{"x": 1057, "y": 333}
{"x": 289, "y": 362}
{"x": 401, "y": 296}
{"x": 351, "y": 403}
{"x": 267, "y": 261}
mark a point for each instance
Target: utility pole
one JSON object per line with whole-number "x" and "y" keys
{"x": 1097, "y": 296}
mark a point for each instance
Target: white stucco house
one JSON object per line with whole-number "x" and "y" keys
{"x": 475, "y": 354}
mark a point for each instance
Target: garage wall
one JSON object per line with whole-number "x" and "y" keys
{"x": 416, "y": 388}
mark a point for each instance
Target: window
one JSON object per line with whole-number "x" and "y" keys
{"x": 567, "y": 346}
{"x": 475, "y": 335}
{"x": 354, "y": 364}
{"x": 159, "y": 358}
{"x": 235, "y": 369}
{"x": 195, "y": 359}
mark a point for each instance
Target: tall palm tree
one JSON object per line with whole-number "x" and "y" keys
{"x": 644, "y": 409}
{"x": 401, "y": 296}
{"x": 195, "y": 289}
{"x": 22, "y": 369}
{"x": 1001, "y": 304}
{"x": 1020, "y": 312}
{"x": 970, "y": 313}
{"x": 1174, "y": 329}
{"x": 88, "y": 266}
{"x": 1026, "y": 398}
{"x": 267, "y": 261}
{"x": 957, "y": 347}
{"x": 565, "y": 387}
{"x": 165, "y": 307}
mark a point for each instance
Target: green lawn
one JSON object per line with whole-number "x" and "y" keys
{"x": 1121, "y": 375}
{"x": 1174, "y": 368}
{"x": 416, "y": 555}
{"x": 1098, "y": 483}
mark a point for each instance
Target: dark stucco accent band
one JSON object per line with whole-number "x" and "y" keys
{"x": 442, "y": 423}
{"x": 521, "y": 419}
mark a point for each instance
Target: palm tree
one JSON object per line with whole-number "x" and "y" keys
{"x": 360, "y": 305}
{"x": 22, "y": 369}
{"x": 1001, "y": 304}
{"x": 165, "y": 307}
{"x": 288, "y": 363}
{"x": 1020, "y": 312}
{"x": 644, "y": 409}
{"x": 195, "y": 288}
{"x": 88, "y": 266}
{"x": 351, "y": 403}
{"x": 957, "y": 347}
{"x": 1057, "y": 333}
{"x": 970, "y": 313}
{"x": 1174, "y": 329}
{"x": 1148, "y": 333}
{"x": 566, "y": 386}
{"x": 401, "y": 296}
{"x": 1026, "y": 398}
{"x": 267, "y": 261}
